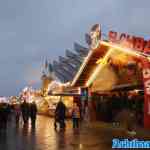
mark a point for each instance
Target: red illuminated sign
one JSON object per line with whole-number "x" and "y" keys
{"x": 139, "y": 44}
{"x": 146, "y": 78}
{"x": 134, "y": 42}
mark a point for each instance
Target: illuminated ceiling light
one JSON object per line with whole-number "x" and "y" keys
{"x": 79, "y": 90}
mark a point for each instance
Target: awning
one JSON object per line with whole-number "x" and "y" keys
{"x": 127, "y": 87}
{"x": 94, "y": 63}
{"x": 88, "y": 66}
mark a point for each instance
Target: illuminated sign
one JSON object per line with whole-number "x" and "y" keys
{"x": 137, "y": 43}
{"x": 93, "y": 38}
{"x": 146, "y": 75}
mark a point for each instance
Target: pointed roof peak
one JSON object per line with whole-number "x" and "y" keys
{"x": 78, "y": 46}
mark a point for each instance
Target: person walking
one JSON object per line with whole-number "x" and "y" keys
{"x": 87, "y": 116}
{"x": 17, "y": 111}
{"x": 4, "y": 113}
{"x": 61, "y": 114}
{"x": 75, "y": 115}
{"x": 33, "y": 113}
{"x": 25, "y": 112}
{"x": 56, "y": 119}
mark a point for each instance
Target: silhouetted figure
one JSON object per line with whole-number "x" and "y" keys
{"x": 17, "y": 111}
{"x": 75, "y": 116}
{"x": 25, "y": 112}
{"x": 4, "y": 112}
{"x": 33, "y": 113}
{"x": 56, "y": 119}
{"x": 61, "y": 114}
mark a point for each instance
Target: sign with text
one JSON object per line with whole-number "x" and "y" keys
{"x": 146, "y": 79}
{"x": 143, "y": 46}
{"x": 133, "y": 42}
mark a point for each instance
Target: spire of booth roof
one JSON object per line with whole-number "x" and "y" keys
{"x": 62, "y": 70}
{"x": 82, "y": 51}
{"x": 66, "y": 62}
{"x": 46, "y": 64}
{"x": 50, "y": 67}
{"x": 72, "y": 55}
{"x": 77, "y": 46}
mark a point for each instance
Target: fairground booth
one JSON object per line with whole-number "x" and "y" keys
{"x": 56, "y": 91}
{"x": 115, "y": 76}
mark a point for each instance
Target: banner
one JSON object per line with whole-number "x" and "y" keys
{"x": 146, "y": 79}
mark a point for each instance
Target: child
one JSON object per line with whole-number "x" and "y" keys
{"x": 75, "y": 116}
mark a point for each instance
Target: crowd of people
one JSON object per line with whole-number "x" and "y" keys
{"x": 77, "y": 116}
{"x": 17, "y": 113}
{"x": 111, "y": 108}
{"x": 21, "y": 113}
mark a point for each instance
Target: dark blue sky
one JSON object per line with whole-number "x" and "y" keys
{"x": 33, "y": 30}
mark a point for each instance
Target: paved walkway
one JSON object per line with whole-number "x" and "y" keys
{"x": 44, "y": 137}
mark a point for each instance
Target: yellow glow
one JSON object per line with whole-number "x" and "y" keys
{"x": 82, "y": 67}
{"x": 103, "y": 62}
{"x": 107, "y": 79}
{"x": 99, "y": 67}
{"x": 127, "y": 50}
{"x": 148, "y": 58}
{"x": 79, "y": 90}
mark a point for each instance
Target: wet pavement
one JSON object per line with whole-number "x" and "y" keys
{"x": 44, "y": 137}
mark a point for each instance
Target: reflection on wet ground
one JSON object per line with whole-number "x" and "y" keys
{"x": 44, "y": 137}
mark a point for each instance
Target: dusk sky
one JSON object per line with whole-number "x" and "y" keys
{"x": 33, "y": 30}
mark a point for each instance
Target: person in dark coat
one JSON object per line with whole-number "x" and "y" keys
{"x": 1, "y": 116}
{"x": 17, "y": 112}
{"x": 33, "y": 113}
{"x": 56, "y": 119}
{"x": 61, "y": 114}
{"x": 25, "y": 112}
{"x": 4, "y": 113}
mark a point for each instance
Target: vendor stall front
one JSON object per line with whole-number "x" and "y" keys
{"x": 121, "y": 60}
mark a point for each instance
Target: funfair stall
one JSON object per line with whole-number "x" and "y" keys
{"x": 119, "y": 62}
